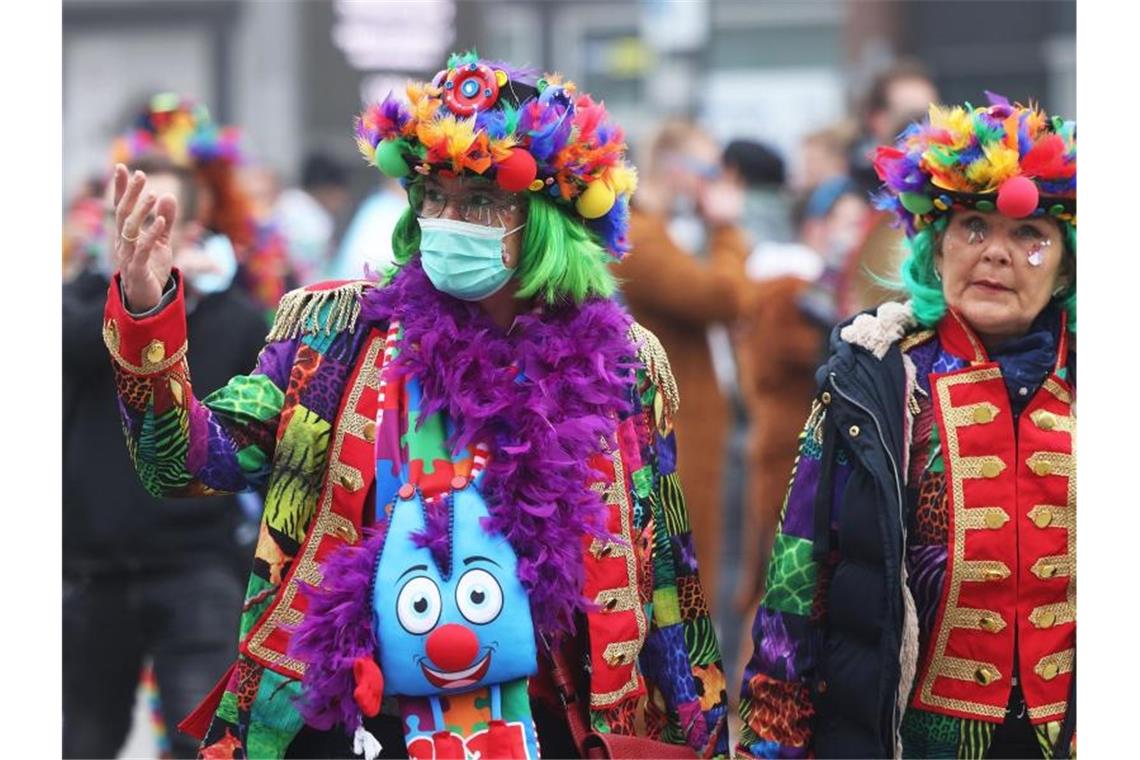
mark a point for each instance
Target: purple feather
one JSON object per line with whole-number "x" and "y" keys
{"x": 995, "y": 99}
{"x": 578, "y": 366}
{"x": 336, "y": 630}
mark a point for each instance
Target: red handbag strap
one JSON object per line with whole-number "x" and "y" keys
{"x": 563, "y": 678}
{"x": 592, "y": 744}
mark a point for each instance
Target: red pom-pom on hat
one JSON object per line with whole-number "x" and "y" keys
{"x": 516, "y": 171}
{"x": 1018, "y": 197}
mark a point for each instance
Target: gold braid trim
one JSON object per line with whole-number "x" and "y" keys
{"x": 652, "y": 355}
{"x": 299, "y": 311}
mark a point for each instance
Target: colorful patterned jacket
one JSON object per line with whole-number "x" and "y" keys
{"x": 300, "y": 426}
{"x": 918, "y": 536}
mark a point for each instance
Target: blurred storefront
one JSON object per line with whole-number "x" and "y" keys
{"x": 294, "y": 73}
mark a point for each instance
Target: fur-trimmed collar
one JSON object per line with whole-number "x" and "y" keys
{"x": 879, "y": 331}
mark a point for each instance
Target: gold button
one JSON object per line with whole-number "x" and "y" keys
{"x": 176, "y": 391}
{"x": 1041, "y": 467}
{"x": 1045, "y": 420}
{"x": 989, "y": 623}
{"x": 983, "y": 414}
{"x": 1042, "y": 517}
{"x": 984, "y": 676}
{"x": 370, "y": 431}
{"x": 825, "y": 397}
{"x": 155, "y": 351}
{"x": 1046, "y": 571}
{"x": 993, "y": 574}
{"x": 1049, "y": 671}
{"x": 853, "y": 430}
{"x": 347, "y": 532}
{"x": 991, "y": 469}
{"x": 1044, "y": 619}
{"x": 995, "y": 519}
{"x": 348, "y": 482}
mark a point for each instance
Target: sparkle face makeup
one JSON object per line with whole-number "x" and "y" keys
{"x": 999, "y": 273}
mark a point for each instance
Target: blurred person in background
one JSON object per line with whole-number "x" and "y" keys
{"x": 263, "y": 187}
{"x": 758, "y": 172}
{"x": 308, "y": 215}
{"x": 684, "y": 275}
{"x": 921, "y": 596}
{"x": 900, "y": 95}
{"x": 824, "y": 155}
{"x": 83, "y": 227}
{"x": 836, "y": 219}
{"x": 366, "y": 248}
{"x": 184, "y": 132}
{"x": 473, "y": 503}
{"x": 140, "y": 579}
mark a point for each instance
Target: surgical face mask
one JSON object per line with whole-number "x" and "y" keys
{"x": 220, "y": 251}
{"x": 462, "y": 259}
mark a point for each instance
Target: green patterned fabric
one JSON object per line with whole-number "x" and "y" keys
{"x": 791, "y": 576}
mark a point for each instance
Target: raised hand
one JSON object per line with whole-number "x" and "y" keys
{"x": 143, "y": 254}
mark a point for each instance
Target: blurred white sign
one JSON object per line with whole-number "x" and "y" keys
{"x": 675, "y": 25}
{"x": 396, "y": 35}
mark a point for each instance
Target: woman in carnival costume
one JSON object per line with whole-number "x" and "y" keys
{"x": 921, "y": 594}
{"x": 182, "y": 132}
{"x": 473, "y": 511}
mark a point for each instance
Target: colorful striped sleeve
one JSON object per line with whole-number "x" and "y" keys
{"x": 775, "y": 704}
{"x": 181, "y": 446}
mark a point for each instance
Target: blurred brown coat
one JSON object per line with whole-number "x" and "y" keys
{"x": 778, "y": 350}
{"x": 678, "y": 296}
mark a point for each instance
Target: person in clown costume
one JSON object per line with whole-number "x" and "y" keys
{"x": 921, "y": 595}
{"x": 473, "y": 514}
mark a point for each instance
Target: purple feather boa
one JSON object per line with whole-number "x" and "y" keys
{"x": 336, "y": 630}
{"x": 579, "y": 364}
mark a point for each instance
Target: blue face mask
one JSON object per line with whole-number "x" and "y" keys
{"x": 462, "y": 259}
{"x": 220, "y": 251}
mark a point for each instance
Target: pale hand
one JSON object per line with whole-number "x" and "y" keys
{"x": 721, "y": 203}
{"x": 143, "y": 254}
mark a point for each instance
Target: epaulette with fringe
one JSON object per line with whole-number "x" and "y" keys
{"x": 324, "y": 308}
{"x": 652, "y": 355}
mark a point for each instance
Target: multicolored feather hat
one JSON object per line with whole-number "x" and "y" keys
{"x": 528, "y": 133}
{"x": 1012, "y": 158}
{"x": 179, "y": 129}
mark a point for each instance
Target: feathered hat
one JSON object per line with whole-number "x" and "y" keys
{"x": 1012, "y": 158}
{"x": 179, "y": 129}
{"x": 528, "y": 133}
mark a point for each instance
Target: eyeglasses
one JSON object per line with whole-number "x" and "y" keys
{"x": 477, "y": 205}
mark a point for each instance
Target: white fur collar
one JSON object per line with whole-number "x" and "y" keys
{"x": 877, "y": 332}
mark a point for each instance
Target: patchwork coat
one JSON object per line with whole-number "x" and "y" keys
{"x": 301, "y": 427}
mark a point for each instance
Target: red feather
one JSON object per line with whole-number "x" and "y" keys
{"x": 1045, "y": 158}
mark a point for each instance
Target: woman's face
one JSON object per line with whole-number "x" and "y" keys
{"x": 477, "y": 201}
{"x": 999, "y": 273}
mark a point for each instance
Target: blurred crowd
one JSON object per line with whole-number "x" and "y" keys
{"x": 742, "y": 262}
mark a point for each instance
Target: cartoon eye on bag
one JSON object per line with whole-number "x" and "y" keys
{"x": 418, "y": 605}
{"x": 479, "y": 596}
